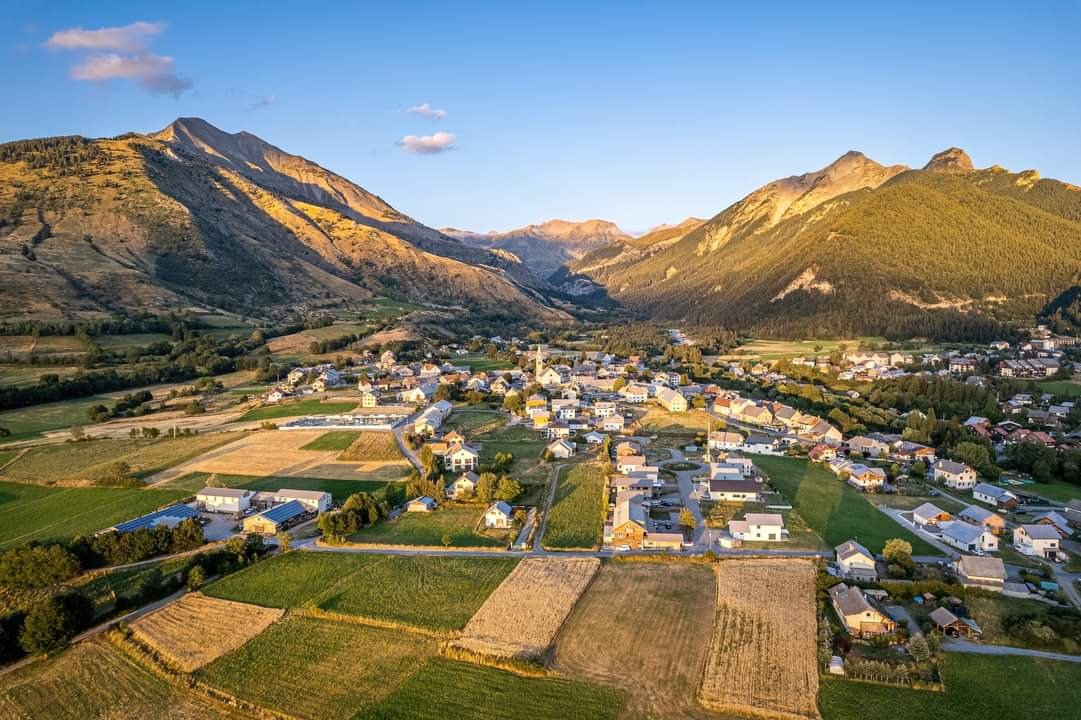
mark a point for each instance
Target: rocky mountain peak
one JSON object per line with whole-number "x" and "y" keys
{"x": 951, "y": 160}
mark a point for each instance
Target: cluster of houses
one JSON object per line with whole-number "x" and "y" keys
{"x": 797, "y": 426}
{"x": 633, "y": 489}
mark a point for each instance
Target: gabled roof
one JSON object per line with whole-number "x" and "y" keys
{"x": 852, "y": 548}
{"x": 1041, "y": 532}
{"x": 180, "y": 512}
{"x": 981, "y": 567}
{"x": 928, "y": 510}
{"x": 949, "y": 466}
{"x": 771, "y": 519}
{"x": 283, "y": 512}
{"x": 223, "y": 492}
{"x": 501, "y": 507}
{"x": 962, "y": 531}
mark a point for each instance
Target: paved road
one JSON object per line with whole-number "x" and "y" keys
{"x": 966, "y": 646}
{"x": 896, "y": 513}
{"x": 413, "y": 456}
{"x": 701, "y": 538}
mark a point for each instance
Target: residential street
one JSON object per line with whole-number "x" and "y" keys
{"x": 966, "y": 646}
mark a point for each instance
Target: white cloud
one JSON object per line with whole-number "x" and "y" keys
{"x": 128, "y": 38}
{"x": 427, "y": 111}
{"x": 130, "y": 57}
{"x": 263, "y": 101}
{"x": 428, "y": 144}
{"x": 153, "y": 72}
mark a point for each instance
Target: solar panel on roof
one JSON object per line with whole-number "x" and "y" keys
{"x": 181, "y": 512}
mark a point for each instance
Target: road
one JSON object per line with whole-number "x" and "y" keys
{"x": 413, "y": 456}
{"x": 701, "y": 538}
{"x": 966, "y": 646}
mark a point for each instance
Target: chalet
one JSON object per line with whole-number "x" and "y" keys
{"x": 856, "y": 562}
{"x": 930, "y": 515}
{"x": 954, "y": 475}
{"x": 996, "y": 496}
{"x": 499, "y": 515}
{"x": 1037, "y": 540}
{"x": 671, "y": 400}
{"x": 974, "y": 539}
{"x": 859, "y": 616}
{"x": 868, "y": 479}
{"x": 821, "y": 453}
{"x": 460, "y": 458}
{"x": 905, "y": 451}
{"x": 561, "y": 449}
{"x": 985, "y": 573}
{"x": 421, "y": 504}
{"x": 223, "y": 500}
{"x": 465, "y": 486}
{"x": 953, "y": 626}
{"x": 976, "y": 515}
{"x": 759, "y": 527}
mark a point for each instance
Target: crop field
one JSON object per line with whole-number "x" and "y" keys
{"x": 23, "y": 345}
{"x": 436, "y": 593}
{"x": 1044, "y": 688}
{"x": 34, "y": 512}
{"x": 659, "y": 421}
{"x": 117, "y": 343}
{"x": 779, "y": 349}
{"x": 479, "y": 362}
{"x": 320, "y": 669}
{"x": 762, "y": 659}
{"x": 833, "y": 509}
{"x": 196, "y": 630}
{"x": 80, "y": 463}
{"x": 444, "y": 689}
{"x": 30, "y": 422}
{"x": 281, "y": 454}
{"x": 652, "y": 617}
{"x": 339, "y": 489}
{"x": 311, "y": 406}
{"x": 458, "y": 523}
{"x": 470, "y": 422}
{"x": 334, "y": 440}
{"x": 520, "y": 619}
{"x": 576, "y": 519}
{"x": 95, "y": 680}
{"x": 373, "y": 447}
{"x": 21, "y": 375}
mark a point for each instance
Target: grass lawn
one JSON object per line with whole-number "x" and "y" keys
{"x": 82, "y": 462}
{"x": 34, "y": 512}
{"x": 1057, "y": 491}
{"x": 31, "y": 422}
{"x": 304, "y": 407}
{"x": 22, "y": 375}
{"x": 420, "y": 528}
{"x": 911, "y": 502}
{"x": 136, "y": 340}
{"x": 439, "y": 593}
{"x": 95, "y": 680}
{"x": 447, "y": 689}
{"x": 833, "y": 509}
{"x": 469, "y": 421}
{"x": 335, "y": 440}
{"x": 1061, "y": 388}
{"x": 1043, "y": 688}
{"x": 340, "y": 489}
{"x": 479, "y": 362}
{"x": 576, "y": 519}
{"x": 524, "y": 444}
{"x": 321, "y": 669}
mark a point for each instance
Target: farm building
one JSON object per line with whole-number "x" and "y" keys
{"x": 981, "y": 572}
{"x": 499, "y": 515}
{"x": 312, "y": 500}
{"x": 223, "y": 500}
{"x": 421, "y": 504}
{"x": 856, "y": 562}
{"x": 859, "y": 615}
{"x": 169, "y": 517}
{"x": 271, "y": 521}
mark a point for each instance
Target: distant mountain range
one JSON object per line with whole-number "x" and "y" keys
{"x": 195, "y": 216}
{"x": 862, "y": 248}
{"x": 547, "y": 247}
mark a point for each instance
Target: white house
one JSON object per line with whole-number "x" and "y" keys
{"x": 1036, "y": 540}
{"x": 613, "y": 424}
{"x": 464, "y": 486}
{"x": 761, "y": 445}
{"x": 957, "y": 476}
{"x": 930, "y": 515}
{"x": 604, "y": 409}
{"x": 722, "y": 440}
{"x": 499, "y": 515}
{"x": 869, "y": 479}
{"x": 561, "y": 449}
{"x": 735, "y": 491}
{"x": 856, "y": 562}
{"x": 974, "y": 539}
{"x": 671, "y": 400}
{"x": 994, "y": 495}
{"x": 314, "y": 500}
{"x": 634, "y": 393}
{"x": 461, "y": 458}
{"x": 595, "y": 438}
{"x": 224, "y": 500}
{"x": 760, "y": 527}
{"x": 421, "y": 504}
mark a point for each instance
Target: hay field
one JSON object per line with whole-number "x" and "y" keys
{"x": 576, "y": 519}
{"x": 96, "y": 681}
{"x": 282, "y": 454}
{"x": 762, "y": 659}
{"x": 196, "y": 630}
{"x": 521, "y": 618}
{"x": 320, "y": 669}
{"x": 373, "y": 447}
{"x": 643, "y": 628}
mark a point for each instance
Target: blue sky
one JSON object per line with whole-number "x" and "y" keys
{"x": 640, "y": 113}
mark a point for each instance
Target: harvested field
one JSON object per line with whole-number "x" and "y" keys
{"x": 319, "y": 669}
{"x": 653, "y": 617}
{"x": 373, "y": 447}
{"x": 521, "y": 618}
{"x": 762, "y": 659}
{"x": 96, "y": 681}
{"x": 196, "y": 630}
{"x": 282, "y": 454}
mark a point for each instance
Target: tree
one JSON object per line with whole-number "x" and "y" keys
{"x": 37, "y": 566}
{"x": 898, "y": 554}
{"x": 446, "y": 540}
{"x": 188, "y": 535}
{"x": 196, "y": 577}
{"x": 919, "y": 649}
{"x": 117, "y": 474}
{"x": 214, "y": 481}
{"x": 508, "y": 489}
{"x": 284, "y": 541}
{"x": 487, "y": 484}
{"x": 52, "y": 622}
{"x": 897, "y": 547}
{"x": 686, "y": 519}
{"x": 512, "y": 403}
